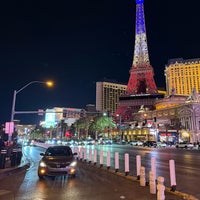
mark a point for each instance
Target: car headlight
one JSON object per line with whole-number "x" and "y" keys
{"x": 73, "y": 164}
{"x": 43, "y": 164}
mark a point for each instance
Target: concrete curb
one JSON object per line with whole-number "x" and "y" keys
{"x": 9, "y": 171}
{"x": 25, "y": 164}
{"x": 132, "y": 178}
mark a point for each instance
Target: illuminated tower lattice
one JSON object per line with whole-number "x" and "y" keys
{"x": 141, "y": 89}
{"x": 141, "y": 79}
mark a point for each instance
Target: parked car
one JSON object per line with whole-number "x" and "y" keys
{"x": 185, "y": 145}
{"x": 150, "y": 143}
{"x": 161, "y": 144}
{"x": 90, "y": 142}
{"x": 57, "y": 161}
{"x": 104, "y": 141}
{"x": 79, "y": 143}
{"x": 101, "y": 142}
{"x": 107, "y": 141}
{"x": 136, "y": 143}
{"x": 67, "y": 142}
{"x": 28, "y": 142}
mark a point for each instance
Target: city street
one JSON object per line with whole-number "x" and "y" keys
{"x": 187, "y": 163}
{"x": 90, "y": 183}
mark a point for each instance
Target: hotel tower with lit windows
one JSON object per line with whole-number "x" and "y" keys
{"x": 182, "y": 76}
{"x": 107, "y": 96}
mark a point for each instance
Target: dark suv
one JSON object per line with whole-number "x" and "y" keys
{"x": 150, "y": 143}
{"x": 57, "y": 161}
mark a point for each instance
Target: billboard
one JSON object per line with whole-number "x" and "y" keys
{"x": 9, "y": 128}
{"x": 50, "y": 118}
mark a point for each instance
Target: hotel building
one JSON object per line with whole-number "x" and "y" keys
{"x": 183, "y": 76}
{"x": 107, "y": 96}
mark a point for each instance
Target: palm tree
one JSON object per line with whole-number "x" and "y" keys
{"x": 82, "y": 124}
{"x": 109, "y": 123}
{"x": 94, "y": 127}
{"x": 78, "y": 126}
{"x": 85, "y": 123}
{"x": 100, "y": 123}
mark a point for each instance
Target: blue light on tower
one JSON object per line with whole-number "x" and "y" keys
{"x": 140, "y": 23}
{"x": 139, "y": 1}
{"x": 141, "y": 49}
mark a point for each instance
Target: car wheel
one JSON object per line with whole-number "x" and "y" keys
{"x": 72, "y": 175}
{"x": 40, "y": 176}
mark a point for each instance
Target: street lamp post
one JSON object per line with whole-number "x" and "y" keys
{"x": 13, "y": 106}
{"x": 48, "y": 83}
{"x": 120, "y": 129}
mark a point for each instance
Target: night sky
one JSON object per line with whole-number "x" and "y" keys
{"x": 77, "y": 43}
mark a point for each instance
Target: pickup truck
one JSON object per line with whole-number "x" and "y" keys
{"x": 185, "y": 145}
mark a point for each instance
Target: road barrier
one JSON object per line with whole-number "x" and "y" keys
{"x": 126, "y": 159}
{"x": 3, "y": 158}
{"x": 159, "y": 182}
{"x": 116, "y": 161}
{"x": 152, "y": 182}
{"x": 138, "y": 165}
{"x": 160, "y": 188}
{"x": 141, "y": 176}
{"x": 172, "y": 175}
{"x": 15, "y": 157}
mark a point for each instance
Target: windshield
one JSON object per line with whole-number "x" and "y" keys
{"x": 58, "y": 152}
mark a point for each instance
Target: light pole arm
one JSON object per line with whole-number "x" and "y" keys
{"x": 49, "y": 83}
{"x": 13, "y": 106}
{"x": 27, "y": 86}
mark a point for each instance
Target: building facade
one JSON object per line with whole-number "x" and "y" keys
{"x": 176, "y": 118}
{"x": 107, "y": 96}
{"x": 55, "y": 115}
{"x": 182, "y": 76}
{"x": 24, "y": 129}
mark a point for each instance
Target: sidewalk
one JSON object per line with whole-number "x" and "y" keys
{"x": 8, "y": 170}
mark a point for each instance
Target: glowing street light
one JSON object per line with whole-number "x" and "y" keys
{"x": 47, "y": 83}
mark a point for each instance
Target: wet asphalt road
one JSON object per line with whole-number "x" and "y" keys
{"x": 90, "y": 183}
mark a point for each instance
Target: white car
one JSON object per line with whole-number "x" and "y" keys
{"x": 136, "y": 143}
{"x": 185, "y": 145}
{"x": 161, "y": 144}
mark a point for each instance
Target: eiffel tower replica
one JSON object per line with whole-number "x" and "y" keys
{"x": 141, "y": 90}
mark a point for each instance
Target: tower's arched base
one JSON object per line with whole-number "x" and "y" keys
{"x": 133, "y": 103}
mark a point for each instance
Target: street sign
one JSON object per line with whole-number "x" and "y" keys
{"x": 9, "y": 128}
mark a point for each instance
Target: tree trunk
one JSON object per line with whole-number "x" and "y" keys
{"x": 96, "y": 137}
